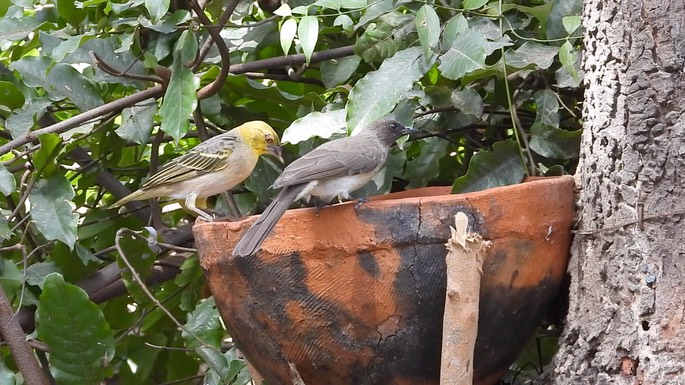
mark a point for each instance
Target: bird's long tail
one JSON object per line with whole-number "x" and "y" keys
{"x": 134, "y": 196}
{"x": 253, "y": 238}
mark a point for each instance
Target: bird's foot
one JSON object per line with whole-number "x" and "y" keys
{"x": 360, "y": 202}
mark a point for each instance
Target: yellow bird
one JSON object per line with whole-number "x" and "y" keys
{"x": 212, "y": 167}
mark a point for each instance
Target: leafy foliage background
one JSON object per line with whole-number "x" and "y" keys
{"x": 95, "y": 94}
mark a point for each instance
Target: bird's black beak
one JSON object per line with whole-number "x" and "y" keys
{"x": 404, "y": 136}
{"x": 408, "y": 131}
{"x": 276, "y": 151}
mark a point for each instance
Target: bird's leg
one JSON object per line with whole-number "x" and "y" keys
{"x": 190, "y": 204}
{"x": 360, "y": 202}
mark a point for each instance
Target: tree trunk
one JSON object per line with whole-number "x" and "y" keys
{"x": 627, "y": 294}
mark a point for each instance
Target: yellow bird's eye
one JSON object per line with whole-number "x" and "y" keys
{"x": 269, "y": 139}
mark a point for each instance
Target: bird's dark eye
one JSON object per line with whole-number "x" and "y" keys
{"x": 269, "y": 139}
{"x": 393, "y": 126}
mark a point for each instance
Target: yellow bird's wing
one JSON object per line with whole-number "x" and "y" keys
{"x": 207, "y": 157}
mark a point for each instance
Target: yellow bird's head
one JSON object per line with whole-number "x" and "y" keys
{"x": 261, "y": 138}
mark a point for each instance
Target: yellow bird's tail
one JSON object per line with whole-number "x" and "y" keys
{"x": 134, "y": 196}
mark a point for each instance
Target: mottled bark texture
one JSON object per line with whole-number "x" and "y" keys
{"x": 627, "y": 295}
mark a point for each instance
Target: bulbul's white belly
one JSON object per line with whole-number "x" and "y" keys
{"x": 328, "y": 189}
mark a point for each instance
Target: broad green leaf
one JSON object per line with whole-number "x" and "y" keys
{"x": 288, "y": 32}
{"x": 553, "y": 142}
{"x": 336, "y": 71}
{"x": 321, "y": 124}
{"x": 204, "y": 323}
{"x": 473, "y": 4}
{"x": 283, "y": 11}
{"x": 328, "y": 4}
{"x": 428, "y": 28}
{"x": 180, "y": 98}
{"x": 44, "y": 158}
{"x": 501, "y": 167}
{"x": 426, "y": 166}
{"x": 571, "y": 23}
{"x": 560, "y": 10}
{"x": 10, "y": 96}
{"x": 157, "y": 8}
{"x": 392, "y": 32}
{"x": 36, "y": 273}
{"x": 68, "y": 11}
{"x": 567, "y": 58}
{"x": 168, "y": 23}
{"x": 353, "y": 4}
{"x": 539, "y": 12}
{"x": 80, "y": 339}
{"x": 141, "y": 357}
{"x": 376, "y": 9}
{"x": 64, "y": 82}
{"x": 33, "y": 70}
{"x": 51, "y": 209}
{"x": 13, "y": 29}
{"x": 8, "y": 184}
{"x": 300, "y": 10}
{"x": 68, "y": 46}
{"x": 11, "y": 278}
{"x": 7, "y": 376}
{"x": 377, "y": 93}
{"x": 528, "y": 53}
{"x": 466, "y": 54}
{"x": 308, "y": 33}
{"x": 453, "y": 28}
{"x": 21, "y": 121}
{"x": 137, "y": 121}
{"x": 85, "y": 255}
{"x": 468, "y": 101}
{"x": 344, "y": 21}
{"x": 547, "y": 107}
{"x": 5, "y": 231}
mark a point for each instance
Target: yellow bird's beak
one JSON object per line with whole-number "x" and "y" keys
{"x": 276, "y": 151}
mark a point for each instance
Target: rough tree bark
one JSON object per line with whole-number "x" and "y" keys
{"x": 627, "y": 295}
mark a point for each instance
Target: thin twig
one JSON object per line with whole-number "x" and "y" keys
{"x": 101, "y": 64}
{"x": 16, "y": 340}
{"x": 147, "y": 292}
{"x": 204, "y": 50}
{"x": 284, "y": 77}
{"x": 291, "y": 60}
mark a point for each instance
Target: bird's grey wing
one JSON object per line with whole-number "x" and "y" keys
{"x": 326, "y": 162}
{"x": 209, "y": 156}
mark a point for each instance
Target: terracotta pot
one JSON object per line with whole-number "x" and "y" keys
{"x": 356, "y": 296}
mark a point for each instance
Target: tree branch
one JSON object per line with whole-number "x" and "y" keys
{"x": 16, "y": 340}
{"x": 290, "y": 60}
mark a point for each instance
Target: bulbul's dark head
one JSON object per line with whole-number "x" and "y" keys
{"x": 388, "y": 131}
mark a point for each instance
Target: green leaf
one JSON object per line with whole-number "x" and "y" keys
{"x": 561, "y": 9}
{"x": 36, "y": 273}
{"x": 547, "y": 107}
{"x": 571, "y": 23}
{"x": 336, "y": 71}
{"x": 540, "y": 55}
{"x": 144, "y": 356}
{"x": 428, "y": 28}
{"x": 328, "y": 4}
{"x": 426, "y": 166}
{"x": 64, "y": 82}
{"x": 13, "y": 29}
{"x": 66, "y": 47}
{"x": 10, "y": 96}
{"x": 344, "y": 21}
{"x": 567, "y": 58}
{"x": 288, "y": 32}
{"x": 389, "y": 34}
{"x": 80, "y": 339}
{"x": 11, "y": 278}
{"x": 353, "y": 4}
{"x": 51, "y": 209}
{"x": 454, "y": 27}
{"x": 157, "y": 8}
{"x": 180, "y": 98}
{"x": 68, "y": 11}
{"x": 137, "y": 121}
{"x": 44, "y": 158}
{"x": 321, "y": 124}
{"x": 308, "y": 32}
{"x": 555, "y": 143}
{"x": 466, "y": 54}
{"x": 21, "y": 121}
{"x": 168, "y": 23}
{"x": 204, "y": 323}
{"x": 501, "y": 167}
{"x": 8, "y": 184}
{"x": 468, "y": 101}
{"x": 377, "y": 93}
{"x": 473, "y": 4}
{"x": 5, "y": 231}
{"x": 283, "y": 10}
{"x": 7, "y": 376}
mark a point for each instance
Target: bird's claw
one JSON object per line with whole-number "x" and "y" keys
{"x": 360, "y": 202}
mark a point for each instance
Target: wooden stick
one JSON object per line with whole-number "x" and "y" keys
{"x": 460, "y": 320}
